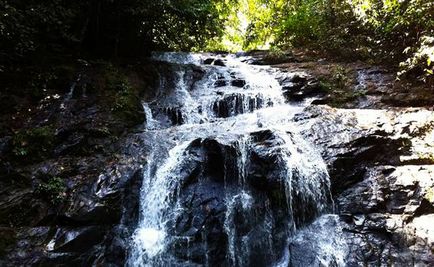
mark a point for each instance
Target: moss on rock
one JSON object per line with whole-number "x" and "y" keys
{"x": 33, "y": 144}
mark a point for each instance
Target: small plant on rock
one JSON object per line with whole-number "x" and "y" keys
{"x": 33, "y": 144}
{"x": 53, "y": 190}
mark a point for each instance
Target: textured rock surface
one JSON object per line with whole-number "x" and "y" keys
{"x": 69, "y": 185}
{"x": 380, "y": 164}
{"x": 216, "y": 195}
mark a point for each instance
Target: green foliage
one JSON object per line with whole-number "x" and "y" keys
{"x": 368, "y": 29}
{"x": 303, "y": 24}
{"x": 125, "y": 101}
{"x": 339, "y": 86}
{"x": 53, "y": 190}
{"x": 27, "y": 26}
{"x": 182, "y": 24}
{"x": 33, "y": 144}
{"x": 105, "y": 28}
{"x": 340, "y": 77}
{"x": 114, "y": 78}
{"x": 248, "y": 24}
{"x": 400, "y": 31}
{"x": 325, "y": 85}
{"x": 420, "y": 60}
{"x": 338, "y": 80}
{"x": 429, "y": 195}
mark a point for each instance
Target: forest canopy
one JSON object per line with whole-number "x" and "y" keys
{"x": 397, "y": 31}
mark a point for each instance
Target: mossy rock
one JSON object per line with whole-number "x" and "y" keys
{"x": 128, "y": 108}
{"x": 53, "y": 190}
{"x": 33, "y": 144}
{"x": 126, "y": 104}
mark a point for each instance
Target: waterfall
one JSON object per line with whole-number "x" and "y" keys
{"x": 228, "y": 180}
{"x": 155, "y": 197}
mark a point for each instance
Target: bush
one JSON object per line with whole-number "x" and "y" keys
{"x": 421, "y": 60}
{"x": 379, "y": 30}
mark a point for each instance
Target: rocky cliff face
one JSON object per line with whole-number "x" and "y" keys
{"x": 380, "y": 163}
{"x": 71, "y": 175}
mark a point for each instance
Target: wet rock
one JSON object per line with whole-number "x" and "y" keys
{"x": 214, "y": 61}
{"x": 84, "y": 138}
{"x": 29, "y": 247}
{"x": 259, "y": 57}
{"x": 116, "y": 246}
{"x": 208, "y": 61}
{"x": 20, "y": 207}
{"x": 368, "y": 150}
{"x": 219, "y": 62}
{"x": 262, "y": 174}
{"x": 79, "y": 230}
{"x": 270, "y": 155}
{"x": 192, "y": 75}
{"x": 320, "y": 244}
{"x": 202, "y": 196}
{"x": 297, "y": 86}
{"x": 238, "y": 83}
{"x": 174, "y": 115}
{"x": 293, "y": 77}
{"x": 238, "y": 103}
{"x": 76, "y": 240}
{"x": 379, "y": 193}
{"x": 220, "y": 83}
{"x": 210, "y": 177}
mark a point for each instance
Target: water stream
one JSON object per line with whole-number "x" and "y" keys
{"x": 228, "y": 180}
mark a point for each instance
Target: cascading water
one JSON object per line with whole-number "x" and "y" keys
{"x": 228, "y": 180}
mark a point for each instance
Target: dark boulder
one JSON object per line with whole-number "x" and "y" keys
{"x": 238, "y": 83}
{"x": 238, "y": 103}
{"x": 220, "y": 83}
{"x": 208, "y": 61}
{"x": 219, "y": 62}
{"x": 380, "y": 182}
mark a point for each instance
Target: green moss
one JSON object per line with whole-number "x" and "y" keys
{"x": 52, "y": 190}
{"x": 342, "y": 97}
{"x": 114, "y": 78}
{"x": 339, "y": 85}
{"x": 340, "y": 77}
{"x": 276, "y": 56}
{"x": 126, "y": 103}
{"x": 127, "y": 107}
{"x": 102, "y": 131}
{"x": 32, "y": 144}
{"x": 325, "y": 85}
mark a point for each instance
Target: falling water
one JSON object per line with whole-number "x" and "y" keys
{"x": 228, "y": 180}
{"x": 155, "y": 197}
